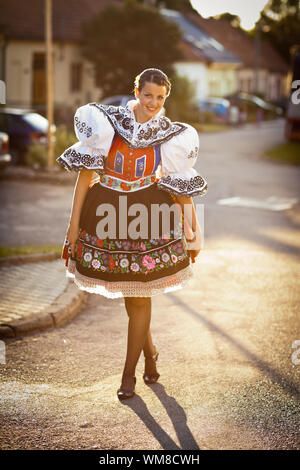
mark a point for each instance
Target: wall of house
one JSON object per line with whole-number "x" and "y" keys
{"x": 222, "y": 81}
{"x": 276, "y": 86}
{"x": 246, "y": 80}
{"x": 271, "y": 86}
{"x": 19, "y": 74}
{"x": 196, "y": 72}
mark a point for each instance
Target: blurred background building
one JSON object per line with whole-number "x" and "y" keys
{"x": 218, "y": 58}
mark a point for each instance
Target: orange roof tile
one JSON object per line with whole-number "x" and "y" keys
{"x": 240, "y": 43}
{"x": 25, "y": 20}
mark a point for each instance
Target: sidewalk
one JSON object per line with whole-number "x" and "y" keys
{"x": 34, "y": 290}
{"x": 36, "y": 295}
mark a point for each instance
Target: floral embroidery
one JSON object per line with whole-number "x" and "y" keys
{"x": 134, "y": 267}
{"x": 72, "y": 160}
{"x": 121, "y": 185}
{"x": 96, "y": 263}
{"x": 128, "y": 256}
{"x": 186, "y": 187}
{"x": 148, "y": 262}
{"x": 87, "y": 257}
{"x": 124, "y": 263}
{"x": 194, "y": 153}
{"x": 178, "y": 248}
{"x": 157, "y": 132}
{"x": 82, "y": 127}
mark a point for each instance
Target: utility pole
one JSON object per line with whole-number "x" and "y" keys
{"x": 257, "y": 57}
{"x": 49, "y": 80}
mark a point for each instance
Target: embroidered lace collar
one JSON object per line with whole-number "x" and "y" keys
{"x": 157, "y": 130}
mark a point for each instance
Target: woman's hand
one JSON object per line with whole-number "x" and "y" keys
{"x": 193, "y": 254}
{"x": 83, "y": 181}
{"x": 196, "y": 242}
{"x": 72, "y": 236}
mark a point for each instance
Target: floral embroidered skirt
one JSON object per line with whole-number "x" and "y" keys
{"x": 116, "y": 256}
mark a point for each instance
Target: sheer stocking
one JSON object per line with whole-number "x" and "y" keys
{"x": 139, "y": 338}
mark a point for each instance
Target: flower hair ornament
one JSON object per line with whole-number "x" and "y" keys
{"x": 137, "y": 81}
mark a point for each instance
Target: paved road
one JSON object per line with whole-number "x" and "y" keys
{"x": 229, "y": 379}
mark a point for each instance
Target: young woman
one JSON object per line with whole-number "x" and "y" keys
{"x": 117, "y": 243}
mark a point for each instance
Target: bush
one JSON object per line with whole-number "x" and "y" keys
{"x": 64, "y": 139}
{"x": 180, "y": 106}
{"x": 37, "y": 153}
{"x": 36, "y": 156}
{"x": 207, "y": 117}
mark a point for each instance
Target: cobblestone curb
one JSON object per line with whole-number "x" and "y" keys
{"x": 62, "y": 310}
{"x": 65, "y": 307}
{"x": 32, "y": 258}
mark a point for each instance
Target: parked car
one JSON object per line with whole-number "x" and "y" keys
{"x": 117, "y": 100}
{"x": 218, "y": 106}
{"x": 244, "y": 98}
{"x": 24, "y": 127}
{"x": 5, "y": 157}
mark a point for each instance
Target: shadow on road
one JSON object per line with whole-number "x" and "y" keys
{"x": 275, "y": 375}
{"x": 176, "y": 414}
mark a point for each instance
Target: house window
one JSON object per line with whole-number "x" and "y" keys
{"x": 278, "y": 88}
{"x": 249, "y": 84}
{"x": 39, "y": 79}
{"x": 76, "y": 77}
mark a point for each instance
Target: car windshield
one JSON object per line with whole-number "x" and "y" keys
{"x": 36, "y": 120}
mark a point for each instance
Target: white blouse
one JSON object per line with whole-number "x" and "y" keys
{"x": 95, "y": 126}
{"x": 178, "y": 157}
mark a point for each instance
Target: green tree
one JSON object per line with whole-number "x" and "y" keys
{"x": 234, "y": 20}
{"x": 283, "y": 8}
{"x": 280, "y": 24}
{"x": 180, "y": 105}
{"x": 122, "y": 41}
{"x": 180, "y": 5}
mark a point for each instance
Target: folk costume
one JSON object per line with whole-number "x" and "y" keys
{"x": 138, "y": 165}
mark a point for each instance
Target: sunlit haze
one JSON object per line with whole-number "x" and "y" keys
{"x": 249, "y": 12}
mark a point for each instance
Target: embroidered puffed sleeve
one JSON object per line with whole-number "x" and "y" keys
{"x": 95, "y": 134}
{"x": 178, "y": 156}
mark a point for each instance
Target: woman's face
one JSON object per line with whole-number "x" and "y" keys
{"x": 151, "y": 100}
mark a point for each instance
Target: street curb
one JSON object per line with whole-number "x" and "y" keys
{"x": 32, "y": 258}
{"x": 62, "y": 310}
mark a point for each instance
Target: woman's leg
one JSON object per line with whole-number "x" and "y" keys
{"x": 139, "y": 313}
{"x": 148, "y": 347}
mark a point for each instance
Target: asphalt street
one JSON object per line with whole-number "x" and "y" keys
{"x": 229, "y": 342}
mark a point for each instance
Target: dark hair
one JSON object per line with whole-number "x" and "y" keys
{"x": 152, "y": 76}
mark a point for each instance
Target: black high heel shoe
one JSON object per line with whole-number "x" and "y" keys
{"x": 122, "y": 394}
{"x": 151, "y": 379}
